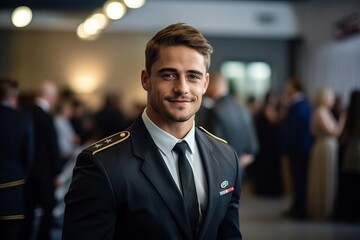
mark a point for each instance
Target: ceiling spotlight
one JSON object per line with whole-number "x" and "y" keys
{"x": 100, "y": 20}
{"x": 134, "y": 3}
{"x": 114, "y": 9}
{"x": 83, "y": 33}
{"x": 90, "y": 26}
{"x": 21, "y": 16}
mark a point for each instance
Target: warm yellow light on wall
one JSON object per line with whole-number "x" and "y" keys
{"x": 84, "y": 83}
{"x": 85, "y": 77}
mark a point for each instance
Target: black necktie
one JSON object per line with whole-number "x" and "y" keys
{"x": 188, "y": 186}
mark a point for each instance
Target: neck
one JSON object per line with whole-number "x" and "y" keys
{"x": 178, "y": 129}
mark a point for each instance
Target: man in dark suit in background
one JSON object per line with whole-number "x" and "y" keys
{"x": 40, "y": 184}
{"x": 298, "y": 142}
{"x": 110, "y": 119}
{"x": 16, "y": 147}
{"x": 228, "y": 119}
{"x": 128, "y": 186}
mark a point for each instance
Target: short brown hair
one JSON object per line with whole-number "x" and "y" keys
{"x": 296, "y": 83}
{"x": 178, "y": 34}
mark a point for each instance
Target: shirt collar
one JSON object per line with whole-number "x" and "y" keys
{"x": 165, "y": 141}
{"x": 42, "y": 103}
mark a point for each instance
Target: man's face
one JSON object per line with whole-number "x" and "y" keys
{"x": 176, "y": 84}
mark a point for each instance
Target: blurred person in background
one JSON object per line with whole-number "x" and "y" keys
{"x": 67, "y": 138}
{"x": 267, "y": 174}
{"x": 253, "y": 104}
{"x": 229, "y": 120}
{"x": 337, "y": 109}
{"x": 82, "y": 120}
{"x": 110, "y": 119}
{"x": 202, "y": 116}
{"x": 16, "y": 147}
{"x": 298, "y": 141}
{"x": 69, "y": 144}
{"x": 40, "y": 183}
{"x": 349, "y": 195}
{"x": 323, "y": 164}
{"x": 136, "y": 109}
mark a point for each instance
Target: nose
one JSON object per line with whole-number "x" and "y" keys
{"x": 181, "y": 85}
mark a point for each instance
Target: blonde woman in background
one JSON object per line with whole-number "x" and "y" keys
{"x": 322, "y": 178}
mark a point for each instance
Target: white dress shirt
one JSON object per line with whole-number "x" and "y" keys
{"x": 165, "y": 143}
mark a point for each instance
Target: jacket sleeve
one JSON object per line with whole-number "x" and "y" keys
{"x": 90, "y": 211}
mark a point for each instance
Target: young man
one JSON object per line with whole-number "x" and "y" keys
{"x": 130, "y": 186}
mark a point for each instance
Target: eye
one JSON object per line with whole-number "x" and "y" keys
{"x": 194, "y": 77}
{"x": 168, "y": 76}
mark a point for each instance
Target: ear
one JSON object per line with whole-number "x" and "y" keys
{"x": 145, "y": 80}
{"x": 206, "y": 82}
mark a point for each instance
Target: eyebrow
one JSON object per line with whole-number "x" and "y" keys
{"x": 175, "y": 70}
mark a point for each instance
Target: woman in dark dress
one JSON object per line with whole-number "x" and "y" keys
{"x": 267, "y": 166}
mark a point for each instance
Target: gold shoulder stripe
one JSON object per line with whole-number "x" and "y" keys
{"x": 212, "y": 135}
{"x": 108, "y": 142}
{"x": 12, "y": 217}
{"x": 12, "y": 183}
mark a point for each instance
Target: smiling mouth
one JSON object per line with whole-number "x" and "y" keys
{"x": 180, "y": 100}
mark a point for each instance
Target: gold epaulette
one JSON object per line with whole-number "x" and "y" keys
{"x": 212, "y": 135}
{"x": 12, "y": 183}
{"x": 108, "y": 142}
{"x": 12, "y": 217}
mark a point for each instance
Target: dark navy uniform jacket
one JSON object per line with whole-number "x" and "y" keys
{"x": 16, "y": 147}
{"x": 122, "y": 189}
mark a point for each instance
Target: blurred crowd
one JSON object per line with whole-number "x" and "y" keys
{"x": 308, "y": 147}
{"x": 315, "y": 139}
{"x": 293, "y": 144}
{"x": 42, "y": 134}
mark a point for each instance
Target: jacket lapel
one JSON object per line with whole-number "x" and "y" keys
{"x": 155, "y": 169}
{"x": 211, "y": 168}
